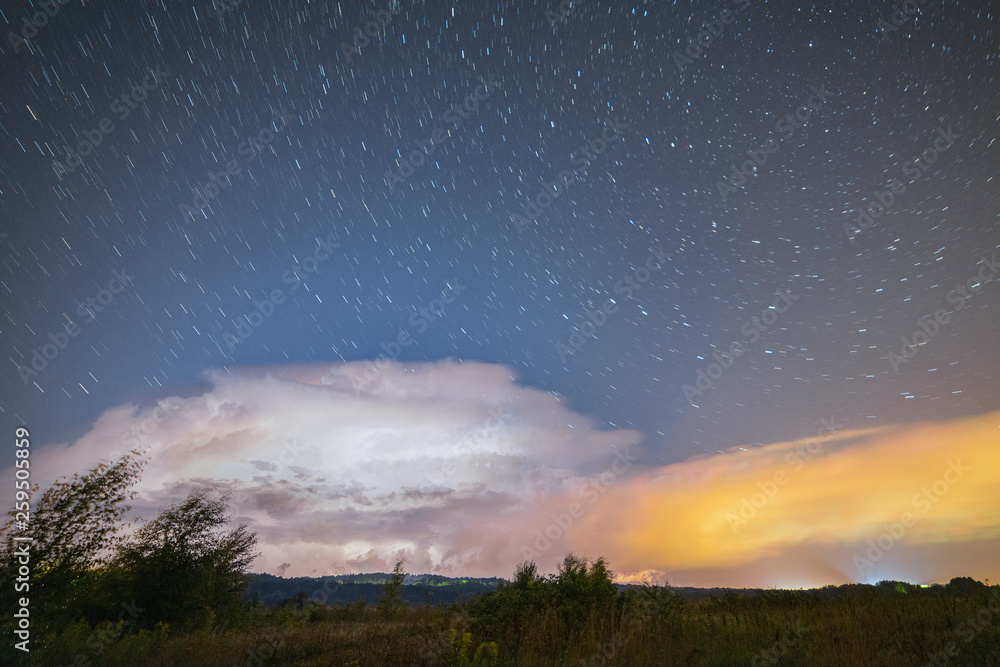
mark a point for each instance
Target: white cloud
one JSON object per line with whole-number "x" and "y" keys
{"x": 440, "y": 462}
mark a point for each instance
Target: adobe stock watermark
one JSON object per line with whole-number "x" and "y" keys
{"x": 769, "y": 489}
{"x": 372, "y": 30}
{"x": 103, "y": 637}
{"x": 928, "y": 327}
{"x": 608, "y": 650}
{"x": 787, "y": 126}
{"x": 968, "y": 629}
{"x": 591, "y": 490}
{"x": 222, "y": 7}
{"x": 139, "y": 433}
{"x": 456, "y": 114}
{"x": 265, "y": 648}
{"x": 886, "y": 198}
{"x": 596, "y": 318}
{"x": 899, "y": 16}
{"x": 752, "y": 329}
{"x": 551, "y": 191}
{"x": 47, "y": 9}
{"x": 922, "y": 501}
{"x": 420, "y": 320}
{"x": 712, "y": 30}
{"x": 218, "y": 181}
{"x": 88, "y": 310}
{"x": 566, "y": 9}
{"x": 788, "y": 640}
{"x": 93, "y": 138}
{"x": 263, "y": 310}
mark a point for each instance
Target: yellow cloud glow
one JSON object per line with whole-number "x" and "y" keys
{"x": 840, "y": 489}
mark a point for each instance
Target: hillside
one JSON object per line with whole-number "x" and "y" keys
{"x": 272, "y": 591}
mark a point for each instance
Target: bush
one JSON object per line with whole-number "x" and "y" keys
{"x": 579, "y": 599}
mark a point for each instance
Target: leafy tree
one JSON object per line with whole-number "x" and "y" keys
{"x": 526, "y": 576}
{"x": 86, "y": 571}
{"x": 581, "y": 589}
{"x": 75, "y": 527}
{"x": 181, "y": 563}
{"x": 575, "y": 581}
{"x": 966, "y": 585}
{"x": 390, "y": 602}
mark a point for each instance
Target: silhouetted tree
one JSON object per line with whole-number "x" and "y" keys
{"x": 75, "y": 527}
{"x": 183, "y": 563}
{"x": 578, "y": 591}
{"x": 526, "y": 575}
{"x": 965, "y": 586}
{"x": 390, "y": 602}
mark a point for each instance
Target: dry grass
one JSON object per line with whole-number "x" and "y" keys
{"x": 874, "y": 630}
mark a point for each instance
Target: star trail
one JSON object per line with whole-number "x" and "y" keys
{"x": 346, "y": 234}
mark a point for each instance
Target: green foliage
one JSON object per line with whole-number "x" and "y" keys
{"x": 895, "y": 586}
{"x": 391, "y": 602}
{"x": 144, "y": 642}
{"x": 298, "y": 600}
{"x": 649, "y": 601}
{"x": 359, "y": 607}
{"x": 566, "y": 604}
{"x": 182, "y": 563}
{"x": 526, "y": 575}
{"x": 75, "y": 527}
{"x": 966, "y": 586}
{"x": 583, "y": 588}
{"x": 485, "y": 656}
{"x": 90, "y": 577}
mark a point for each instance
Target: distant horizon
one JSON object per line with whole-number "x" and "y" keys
{"x": 625, "y": 583}
{"x": 459, "y": 467}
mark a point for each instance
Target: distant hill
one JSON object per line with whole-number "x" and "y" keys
{"x": 272, "y": 591}
{"x": 957, "y": 585}
{"x": 420, "y": 589}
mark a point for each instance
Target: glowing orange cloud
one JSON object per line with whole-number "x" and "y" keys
{"x": 866, "y": 499}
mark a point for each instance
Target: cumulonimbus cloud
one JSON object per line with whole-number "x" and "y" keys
{"x": 461, "y": 470}
{"x": 436, "y": 462}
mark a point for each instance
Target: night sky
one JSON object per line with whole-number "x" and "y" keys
{"x": 730, "y": 312}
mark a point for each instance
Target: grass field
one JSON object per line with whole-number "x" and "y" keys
{"x": 536, "y": 624}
